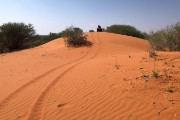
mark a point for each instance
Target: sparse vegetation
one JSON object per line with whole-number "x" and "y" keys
{"x": 166, "y": 39}
{"x": 152, "y": 51}
{"x": 74, "y": 37}
{"x": 117, "y": 66}
{"x": 155, "y": 74}
{"x": 170, "y": 89}
{"x": 126, "y": 30}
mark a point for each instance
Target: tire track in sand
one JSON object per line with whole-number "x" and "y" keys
{"x": 40, "y": 104}
{"x": 37, "y": 79}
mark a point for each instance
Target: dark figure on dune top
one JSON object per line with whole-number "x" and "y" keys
{"x": 99, "y": 29}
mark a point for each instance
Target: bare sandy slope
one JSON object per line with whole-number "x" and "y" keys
{"x": 112, "y": 80}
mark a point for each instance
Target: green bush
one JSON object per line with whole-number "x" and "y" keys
{"x": 74, "y": 37}
{"x": 38, "y": 40}
{"x": 53, "y": 36}
{"x": 13, "y": 35}
{"x": 91, "y": 30}
{"x": 126, "y": 30}
{"x": 167, "y": 38}
{"x": 34, "y": 41}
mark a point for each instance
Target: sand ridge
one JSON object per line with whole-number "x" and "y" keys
{"x": 107, "y": 81}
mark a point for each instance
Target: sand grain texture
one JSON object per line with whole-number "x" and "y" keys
{"x": 112, "y": 80}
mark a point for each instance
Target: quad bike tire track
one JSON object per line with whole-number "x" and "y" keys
{"x": 15, "y": 94}
{"x": 39, "y": 106}
{"x": 20, "y": 89}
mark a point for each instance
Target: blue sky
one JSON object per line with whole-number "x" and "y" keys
{"x": 55, "y": 15}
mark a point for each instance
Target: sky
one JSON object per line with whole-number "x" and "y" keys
{"x": 56, "y": 15}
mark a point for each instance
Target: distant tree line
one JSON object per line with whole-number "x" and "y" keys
{"x": 16, "y": 36}
{"x": 126, "y": 30}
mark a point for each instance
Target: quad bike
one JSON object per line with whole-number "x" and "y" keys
{"x": 99, "y": 29}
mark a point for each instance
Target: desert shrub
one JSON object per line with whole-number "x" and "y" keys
{"x": 34, "y": 41}
{"x": 38, "y": 40}
{"x": 152, "y": 51}
{"x": 74, "y": 37}
{"x": 53, "y": 36}
{"x": 13, "y": 35}
{"x": 91, "y": 30}
{"x": 2, "y": 47}
{"x": 146, "y": 35}
{"x": 156, "y": 40}
{"x": 125, "y": 30}
{"x": 167, "y": 38}
{"x": 155, "y": 74}
{"x": 0, "y": 37}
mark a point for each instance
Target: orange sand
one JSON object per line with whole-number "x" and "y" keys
{"x": 112, "y": 80}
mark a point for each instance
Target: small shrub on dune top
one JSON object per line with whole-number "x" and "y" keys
{"x": 126, "y": 30}
{"x": 74, "y": 37}
{"x": 13, "y": 35}
{"x": 91, "y": 30}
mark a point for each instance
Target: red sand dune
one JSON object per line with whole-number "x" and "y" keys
{"x": 112, "y": 80}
